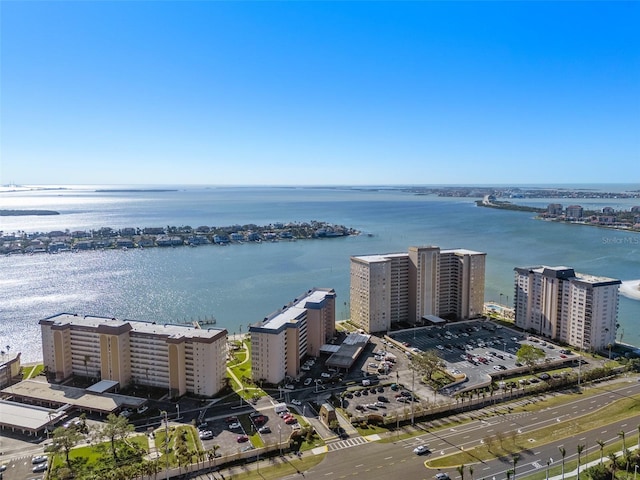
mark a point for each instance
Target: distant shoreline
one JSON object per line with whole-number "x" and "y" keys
{"x": 135, "y": 190}
{"x": 21, "y": 213}
{"x": 540, "y": 215}
{"x": 107, "y": 238}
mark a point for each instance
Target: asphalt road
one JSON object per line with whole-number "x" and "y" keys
{"x": 397, "y": 460}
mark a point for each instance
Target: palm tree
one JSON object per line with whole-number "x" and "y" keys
{"x": 563, "y": 452}
{"x": 621, "y": 434}
{"x": 471, "y": 471}
{"x": 627, "y": 460}
{"x": 613, "y": 463}
{"x": 580, "y": 448}
{"x": 601, "y": 445}
{"x": 460, "y": 469}
{"x": 515, "y": 457}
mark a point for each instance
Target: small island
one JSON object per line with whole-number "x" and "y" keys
{"x": 21, "y": 213}
{"x": 169, "y": 236}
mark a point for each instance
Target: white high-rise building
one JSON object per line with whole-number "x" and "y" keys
{"x": 575, "y": 308}
{"x": 408, "y": 287}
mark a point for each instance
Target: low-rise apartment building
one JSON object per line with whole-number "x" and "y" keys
{"x": 179, "y": 358}
{"x": 280, "y": 341}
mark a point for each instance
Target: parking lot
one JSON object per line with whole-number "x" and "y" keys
{"x": 474, "y": 349}
{"x": 234, "y": 433}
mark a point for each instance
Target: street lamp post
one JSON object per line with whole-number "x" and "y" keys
{"x": 280, "y": 438}
{"x": 166, "y": 442}
{"x": 413, "y": 382}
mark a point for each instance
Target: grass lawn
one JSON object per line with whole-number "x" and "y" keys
{"x": 32, "y": 371}
{"x": 192, "y": 440}
{"x": 92, "y": 455}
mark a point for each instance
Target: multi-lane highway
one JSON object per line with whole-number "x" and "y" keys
{"x": 376, "y": 460}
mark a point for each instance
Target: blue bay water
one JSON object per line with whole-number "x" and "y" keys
{"x": 240, "y": 284}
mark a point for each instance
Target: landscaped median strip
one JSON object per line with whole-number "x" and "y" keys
{"x": 619, "y": 410}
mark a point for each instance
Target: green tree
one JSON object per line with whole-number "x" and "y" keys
{"x": 530, "y": 355}
{"x": 613, "y": 463}
{"x": 580, "y": 449}
{"x": 114, "y": 429}
{"x": 514, "y": 458}
{"x": 212, "y": 453}
{"x": 64, "y": 439}
{"x": 563, "y": 453}
{"x": 601, "y": 445}
{"x": 460, "y": 469}
{"x": 597, "y": 472}
{"x": 426, "y": 363}
{"x": 621, "y": 435}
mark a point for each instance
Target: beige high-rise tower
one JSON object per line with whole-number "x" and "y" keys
{"x": 407, "y": 287}
{"x": 558, "y": 303}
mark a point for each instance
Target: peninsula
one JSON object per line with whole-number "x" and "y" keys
{"x": 628, "y": 220}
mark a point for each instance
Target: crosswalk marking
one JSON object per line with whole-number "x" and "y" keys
{"x": 350, "y": 442}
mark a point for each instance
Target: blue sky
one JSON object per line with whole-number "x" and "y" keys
{"x": 309, "y": 93}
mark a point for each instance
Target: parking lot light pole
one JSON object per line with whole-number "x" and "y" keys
{"x": 280, "y": 438}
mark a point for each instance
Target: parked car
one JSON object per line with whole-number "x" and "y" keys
{"x": 235, "y": 425}
{"x": 205, "y": 435}
{"x": 39, "y": 459}
{"x": 291, "y": 420}
{"x": 296, "y": 402}
{"x": 308, "y": 381}
{"x": 242, "y": 439}
{"x": 265, "y": 429}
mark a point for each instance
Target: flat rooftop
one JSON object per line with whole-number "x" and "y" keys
{"x": 27, "y": 417}
{"x": 76, "y": 397}
{"x": 137, "y": 326}
{"x": 294, "y": 311}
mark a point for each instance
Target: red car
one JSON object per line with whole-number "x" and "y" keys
{"x": 242, "y": 439}
{"x": 291, "y": 420}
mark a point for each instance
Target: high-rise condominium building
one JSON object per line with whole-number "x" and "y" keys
{"x": 179, "y": 358}
{"x": 408, "y": 287}
{"x": 284, "y": 338}
{"x": 558, "y": 303}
